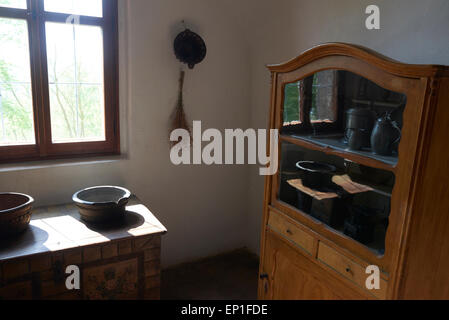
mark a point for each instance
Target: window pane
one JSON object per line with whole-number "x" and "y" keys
{"x": 16, "y": 103}
{"x": 92, "y": 8}
{"x": 324, "y": 97}
{"x": 75, "y": 72}
{"x": 292, "y": 103}
{"x": 18, "y": 4}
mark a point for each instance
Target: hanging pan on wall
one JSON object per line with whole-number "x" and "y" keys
{"x": 189, "y": 48}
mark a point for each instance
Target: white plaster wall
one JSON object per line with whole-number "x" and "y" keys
{"x": 412, "y": 31}
{"x": 203, "y": 207}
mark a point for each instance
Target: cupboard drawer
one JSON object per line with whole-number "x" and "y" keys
{"x": 289, "y": 229}
{"x": 349, "y": 269}
{"x": 293, "y": 276}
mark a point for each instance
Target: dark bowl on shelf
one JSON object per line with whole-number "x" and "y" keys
{"x": 316, "y": 175}
{"x": 102, "y": 203}
{"x": 15, "y": 213}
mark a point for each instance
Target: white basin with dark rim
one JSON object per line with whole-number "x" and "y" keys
{"x": 102, "y": 203}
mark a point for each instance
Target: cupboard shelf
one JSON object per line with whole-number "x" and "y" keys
{"x": 337, "y": 148}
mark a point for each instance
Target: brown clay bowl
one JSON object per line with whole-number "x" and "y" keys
{"x": 15, "y": 213}
{"x": 102, "y": 204}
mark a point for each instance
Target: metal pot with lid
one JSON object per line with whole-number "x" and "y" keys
{"x": 360, "y": 118}
{"x": 359, "y": 124}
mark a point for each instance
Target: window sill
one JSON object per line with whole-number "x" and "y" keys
{"x": 46, "y": 164}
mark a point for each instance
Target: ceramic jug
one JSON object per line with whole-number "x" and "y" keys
{"x": 385, "y": 135}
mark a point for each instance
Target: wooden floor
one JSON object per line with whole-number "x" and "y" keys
{"x": 228, "y": 276}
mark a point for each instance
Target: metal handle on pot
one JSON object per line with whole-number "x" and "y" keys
{"x": 395, "y": 125}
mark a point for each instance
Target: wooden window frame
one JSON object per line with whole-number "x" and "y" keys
{"x": 44, "y": 148}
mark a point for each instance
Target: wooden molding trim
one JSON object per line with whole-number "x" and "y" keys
{"x": 343, "y": 49}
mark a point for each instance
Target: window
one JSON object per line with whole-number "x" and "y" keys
{"x": 58, "y": 79}
{"x": 320, "y": 91}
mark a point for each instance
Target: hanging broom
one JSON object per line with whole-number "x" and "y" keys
{"x": 178, "y": 118}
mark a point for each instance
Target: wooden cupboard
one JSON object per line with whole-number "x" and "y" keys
{"x": 381, "y": 126}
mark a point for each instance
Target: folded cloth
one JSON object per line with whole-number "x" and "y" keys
{"x": 343, "y": 181}
{"x": 350, "y": 186}
{"x": 319, "y": 195}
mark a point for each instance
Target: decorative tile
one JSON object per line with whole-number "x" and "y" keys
{"x": 109, "y": 251}
{"x": 112, "y": 281}
{"x": 38, "y": 238}
{"x": 152, "y": 254}
{"x": 73, "y": 257}
{"x": 153, "y": 294}
{"x": 71, "y": 228}
{"x": 52, "y": 288}
{"x": 152, "y": 268}
{"x": 40, "y": 263}
{"x": 92, "y": 241}
{"x": 17, "y": 291}
{"x": 147, "y": 243}
{"x": 91, "y": 254}
{"x": 124, "y": 247}
{"x": 152, "y": 282}
{"x": 15, "y": 269}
